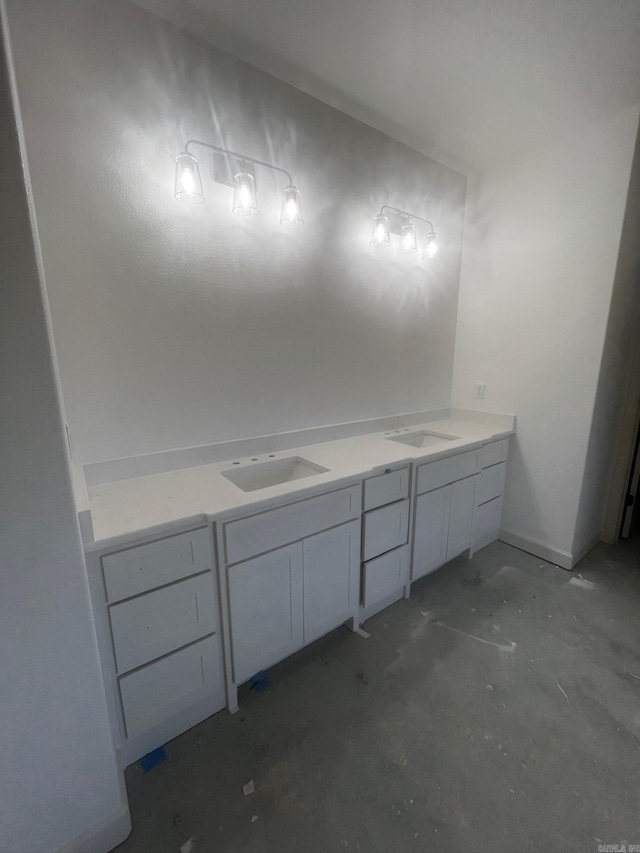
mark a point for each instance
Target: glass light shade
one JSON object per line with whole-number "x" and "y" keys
{"x": 380, "y": 233}
{"x": 432, "y": 245}
{"x": 188, "y": 186}
{"x": 408, "y": 243}
{"x": 245, "y": 202}
{"x": 291, "y": 212}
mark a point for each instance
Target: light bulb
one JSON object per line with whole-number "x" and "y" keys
{"x": 291, "y": 212}
{"x": 188, "y": 186}
{"x": 380, "y": 233}
{"x": 432, "y": 245}
{"x": 408, "y": 242}
{"x": 245, "y": 202}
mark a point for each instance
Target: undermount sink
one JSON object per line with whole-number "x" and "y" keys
{"x": 265, "y": 474}
{"x": 422, "y": 439}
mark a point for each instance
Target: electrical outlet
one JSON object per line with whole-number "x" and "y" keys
{"x": 479, "y": 395}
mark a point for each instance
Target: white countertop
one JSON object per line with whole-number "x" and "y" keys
{"x": 128, "y": 509}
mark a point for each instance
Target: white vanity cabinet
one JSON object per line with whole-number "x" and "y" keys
{"x": 160, "y": 640}
{"x": 489, "y": 495}
{"x": 385, "y": 548}
{"x": 292, "y": 574}
{"x": 443, "y": 511}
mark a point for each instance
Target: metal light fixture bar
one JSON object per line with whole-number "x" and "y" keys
{"x": 401, "y": 223}
{"x": 237, "y": 171}
{"x": 240, "y": 158}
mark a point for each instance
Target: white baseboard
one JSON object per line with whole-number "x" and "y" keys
{"x": 582, "y": 552}
{"x": 564, "y": 559}
{"x": 539, "y": 549}
{"x": 104, "y": 836}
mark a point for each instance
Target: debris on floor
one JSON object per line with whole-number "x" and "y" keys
{"x": 149, "y": 761}
{"x": 187, "y": 847}
{"x": 249, "y": 788}
{"x": 560, "y": 688}
{"x": 581, "y": 582}
{"x": 254, "y": 818}
{"x": 362, "y": 633}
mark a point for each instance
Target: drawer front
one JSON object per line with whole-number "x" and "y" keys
{"x": 490, "y": 483}
{"x": 444, "y": 471}
{"x": 162, "y": 621}
{"x": 385, "y": 528}
{"x": 493, "y": 453}
{"x": 149, "y": 566}
{"x": 487, "y": 524}
{"x": 162, "y": 689}
{"x": 386, "y": 488}
{"x": 384, "y": 575}
{"x": 273, "y": 528}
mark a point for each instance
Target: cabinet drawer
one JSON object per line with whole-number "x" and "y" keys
{"x": 493, "y": 453}
{"x": 385, "y": 528}
{"x": 436, "y": 474}
{"x": 386, "y": 488}
{"x": 162, "y": 689}
{"x": 148, "y": 566}
{"x": 384, "y": 575}
{"x": 273, "y": 528}
{"x": 159, "y": 622}
{"x": 487, "y": 525}
{"x": 490, "y": 483}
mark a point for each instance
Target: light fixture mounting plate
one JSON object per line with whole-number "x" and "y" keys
{"x": 224, "y": 168}
{"x": 396, "y": 222}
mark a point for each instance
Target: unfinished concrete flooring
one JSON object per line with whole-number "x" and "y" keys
{"x": 498, "y": 709}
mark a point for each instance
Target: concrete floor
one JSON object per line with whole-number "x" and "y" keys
{"x": 497, "y": 709}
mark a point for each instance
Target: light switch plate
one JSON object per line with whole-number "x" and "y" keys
{"x": 479, "y": 395}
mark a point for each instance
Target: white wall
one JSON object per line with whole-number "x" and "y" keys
{"x": 58, "y": 774}
{"x": 180, "y": 326}
{"x": 541, "y": 245}
{"x": 617, "y": 383}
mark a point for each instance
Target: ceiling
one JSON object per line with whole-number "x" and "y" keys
{"x": 473, "y": 83}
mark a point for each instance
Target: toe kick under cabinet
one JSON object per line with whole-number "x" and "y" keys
{"x": 160, "y": 638}
{"x": 291, "y": 574}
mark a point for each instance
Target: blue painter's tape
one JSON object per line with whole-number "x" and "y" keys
{"x": 149, "y": 761}
{"x": 259, "y": 681}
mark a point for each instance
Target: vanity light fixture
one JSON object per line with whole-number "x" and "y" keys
{"x": 392, "y": 220}
{"x": 233, "y": 170}
{"x": 380, "y": 235}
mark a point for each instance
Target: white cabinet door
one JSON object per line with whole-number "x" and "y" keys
{"x": 461, "y": 516}
{"x": 331, "y": 564}
{"x": 265, "y": 603}
{"x": 430, "y": 536}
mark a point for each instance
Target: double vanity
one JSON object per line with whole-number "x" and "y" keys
{"x": 204, "y": 575}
